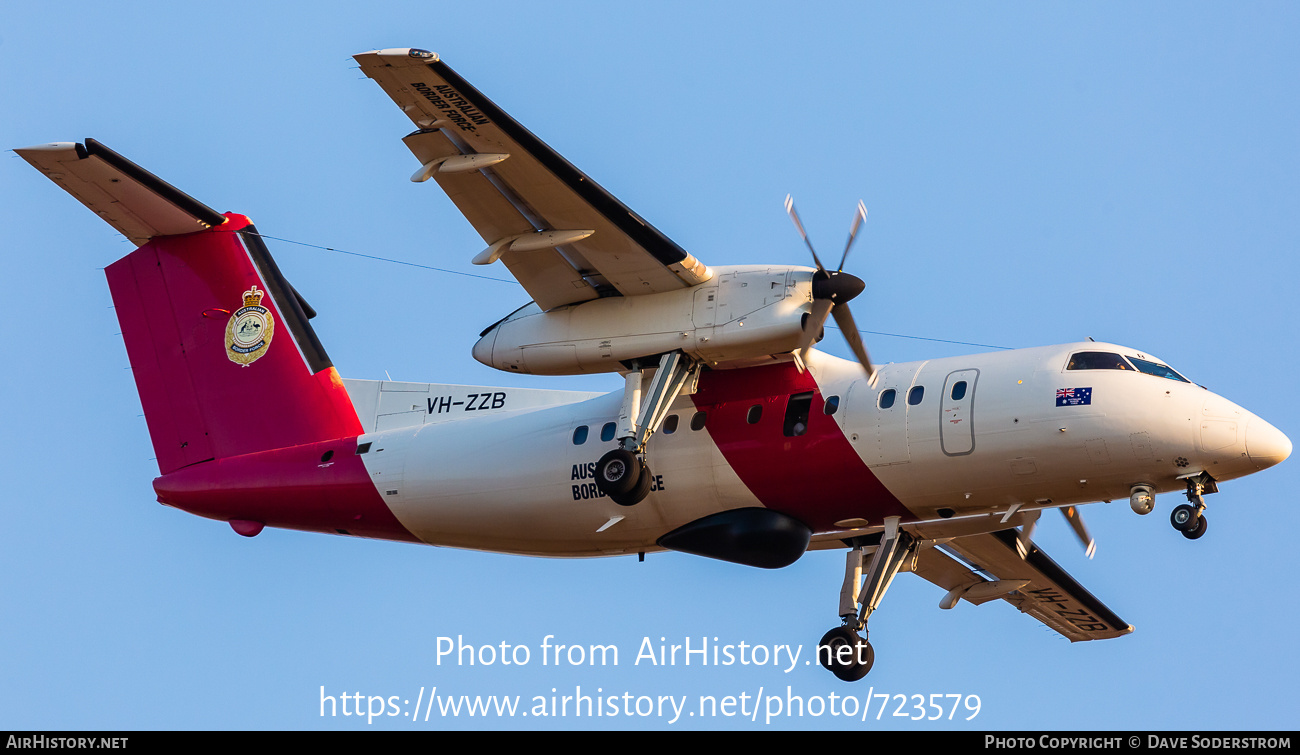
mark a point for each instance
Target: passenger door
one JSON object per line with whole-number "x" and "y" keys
{"x": 956, "y": 418}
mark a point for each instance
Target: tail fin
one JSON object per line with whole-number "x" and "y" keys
{"x": 223, "y": 354}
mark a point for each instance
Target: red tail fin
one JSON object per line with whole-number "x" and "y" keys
{"x": 223, "y": 355}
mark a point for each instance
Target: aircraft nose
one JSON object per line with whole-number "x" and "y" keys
{"x": 1266, "y": 445}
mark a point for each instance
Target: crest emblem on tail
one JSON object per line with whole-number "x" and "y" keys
{"x": 249, "y": 332}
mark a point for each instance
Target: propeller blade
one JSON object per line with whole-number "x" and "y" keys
{"x": 1025, "y": 540}
{"x": 858, "y": 216}
{"x": 1075, "y": 519}
{"x": 844, "y": 319}
{"x": 794, "y": 215}
{"x": 821, "y": 309}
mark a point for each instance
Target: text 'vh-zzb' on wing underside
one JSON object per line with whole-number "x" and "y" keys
{"x": 1035, "y": 584}
{"x": 562, "y": 236}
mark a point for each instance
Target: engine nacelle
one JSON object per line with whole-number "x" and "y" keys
{"x": 743, "y": 313}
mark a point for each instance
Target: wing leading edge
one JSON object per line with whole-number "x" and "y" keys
{"x": 1048, "y": 594}
{"x": 564, "y": 237}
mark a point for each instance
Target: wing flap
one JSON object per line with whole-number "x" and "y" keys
{"x": 131, "y": 199}
{"x": 1052, "y": 596}
{"x": 625, "y": 253}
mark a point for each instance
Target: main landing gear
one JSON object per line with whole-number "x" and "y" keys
{"x": 843, "y": 651}
{"x": 1189, "y": 518}
{"x": 622, "y": 474}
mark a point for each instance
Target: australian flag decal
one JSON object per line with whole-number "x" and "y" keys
{"x": 1073, "y": 396}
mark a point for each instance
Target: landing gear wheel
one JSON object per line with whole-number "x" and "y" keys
{"x": 868, "y": 656}
{"x": 618, "y": 472}
{"x": 1184, "y": 518}
{"x": 845, "y": 654}
{"x": 639, "y": 491}
{"x": 1196, "y": 532}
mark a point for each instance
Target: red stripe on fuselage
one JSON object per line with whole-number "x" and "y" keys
{"x": 816, "y": 477}
{"x": 294, "y": 488}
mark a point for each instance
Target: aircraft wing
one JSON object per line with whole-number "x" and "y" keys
{"x": 562, "y": 236}
{"x": 1051, "y": 595}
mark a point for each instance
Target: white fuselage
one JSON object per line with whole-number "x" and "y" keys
{"x": 502, "y": 470}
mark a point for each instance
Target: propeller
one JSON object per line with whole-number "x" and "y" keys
{"x": 1024, "y": 540}
{"x": 1075, "y": 519}
{"x": 832, "y": 292}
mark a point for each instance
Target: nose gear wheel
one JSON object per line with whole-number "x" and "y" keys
{"x": 1189, "y": 518}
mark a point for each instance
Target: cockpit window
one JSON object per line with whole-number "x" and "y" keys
{"x": 1097, "y": 360}
{"x": 1157, "y": 369}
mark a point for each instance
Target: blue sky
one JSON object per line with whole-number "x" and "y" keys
{"x": 1035, "y": 173}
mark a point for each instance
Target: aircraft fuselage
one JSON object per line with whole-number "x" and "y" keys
{"x": 502, "y": 469}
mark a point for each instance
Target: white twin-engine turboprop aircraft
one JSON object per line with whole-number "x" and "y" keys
{"x": 731, "y": 439}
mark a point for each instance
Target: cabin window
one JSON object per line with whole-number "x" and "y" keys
{"x": 755, "y": 414}
{"x": 1157, "y": 369}
{"x": 670, "y": 424}
{"x": 915, "y": 395}
{"x": 697, "y": 421}
{"x": 796, "y": 414}
{"x": 959, "y": 390}
{"x": 363, "y": 448}
{"x": 832, "y": 405}
{"x": 607, "y": 432}
{"x": 579, "y": 435}
{"x": 887, "y": 398}
{"x": 1097, "y": 360}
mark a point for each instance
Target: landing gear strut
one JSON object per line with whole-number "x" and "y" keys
{"x": 622, "y": 474}
{"x": 843, "y": 651}
{"x": 1189, "y": 518}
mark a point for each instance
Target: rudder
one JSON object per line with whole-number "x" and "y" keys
{"x": 223, "y": 355}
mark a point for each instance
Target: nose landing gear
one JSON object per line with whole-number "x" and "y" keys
{"x": 1189, "y": 518}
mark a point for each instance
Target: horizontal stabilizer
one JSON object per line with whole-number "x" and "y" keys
{"x": 137, "y": 203}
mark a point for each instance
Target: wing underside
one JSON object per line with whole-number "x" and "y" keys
{"x": 563, "y": 237}
{"x": 973, "y": 563}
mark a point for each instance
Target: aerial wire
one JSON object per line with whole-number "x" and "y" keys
{"x": 923, "y": 338}
{"x": 511, "y": 280}
{"x": 386, "y": 259}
